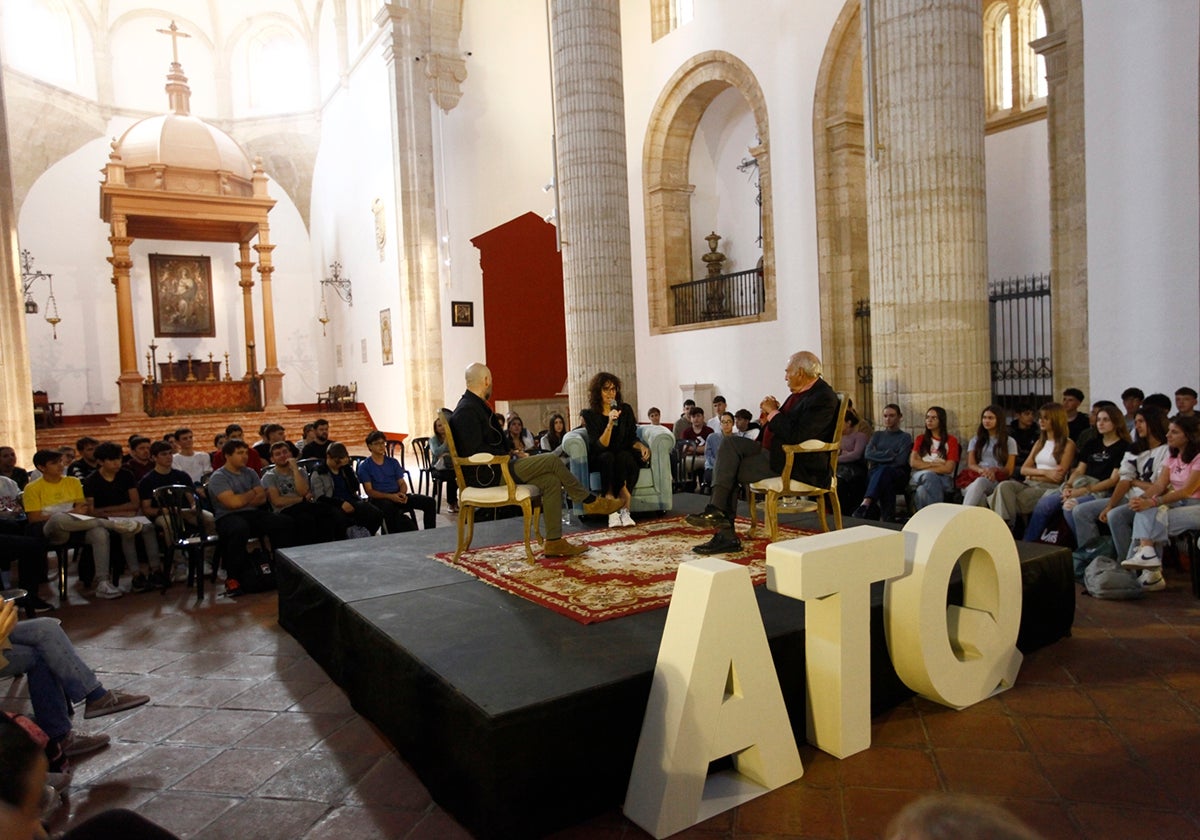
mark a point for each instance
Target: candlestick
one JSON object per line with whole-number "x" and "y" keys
{"x": 211, "y": 376}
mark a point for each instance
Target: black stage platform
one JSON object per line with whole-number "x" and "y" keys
{"x": 520, "y": 720}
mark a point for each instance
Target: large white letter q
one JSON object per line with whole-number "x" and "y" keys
{"x": 955, "y": 655}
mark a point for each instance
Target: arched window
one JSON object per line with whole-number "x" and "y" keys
{"x": 1014, "y": 74}
{"x": 668, "y": 15}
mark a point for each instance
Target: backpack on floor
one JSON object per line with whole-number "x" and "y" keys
{"x": 258, "y": 575}
{"x": 1105, "y": 578}
{"x": 1089, "y": 551}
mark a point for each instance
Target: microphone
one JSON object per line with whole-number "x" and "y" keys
{"x": 613, "y": 406}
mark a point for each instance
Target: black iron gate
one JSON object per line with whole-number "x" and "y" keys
{"x": 1021, "y": 340}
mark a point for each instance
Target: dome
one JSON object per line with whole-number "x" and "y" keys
{"x": 181, "y": 140}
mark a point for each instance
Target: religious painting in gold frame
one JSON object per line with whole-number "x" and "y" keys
{"x": 182, "y": 296}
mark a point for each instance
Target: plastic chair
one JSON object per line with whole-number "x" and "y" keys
{"x": 784, "y": 486}
{"x": 428, "y": 480}
{"x": 528, "y": 497}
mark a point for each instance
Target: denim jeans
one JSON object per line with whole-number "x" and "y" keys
{"x": 1085, "y": 523}
{"x": 930, "y": 487}
{"x": 43, "y": 653}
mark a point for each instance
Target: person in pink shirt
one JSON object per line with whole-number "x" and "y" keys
{"x": 1171, "y": 506}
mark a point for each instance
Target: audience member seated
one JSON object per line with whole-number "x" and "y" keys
{"x": 274, "y": 434}
{"x": 712, "y": 445}
{"x": 86, "y": 464}
{"x": 39, "y": 649}
{"x": 1077, "y": 421}
{"x": 237, "y": 497}
{"x": 16, "y": 544}
{"x": 1044, "y": 469}
{"x": 744, "y": 425}
{"x": 1139, "y": 469}
{"x": 692, "y": 442}
{"x": 887, "y": 456}
{"x": 1169, "y": 507}
{"x": 990, "y": 460}
{"x": 335, "y": 486}
{"x": 188, "y": 460}
{"x": 50, "y": 502}
{"x": 552, "y": 440}
{"x": 1094, "y": 476}
{"x": 114, "y": 495}
{"x": 1132, "y": 398}
{"x": 165, "y": 474}
{"x": 288, "y": 491}
{"x": 218, "y": 444}
{"x": 852, "y": 465}
{"x": 138, "y": 463}
{"x": 24, "y": 770}
{"x": 382, "y": 479}
{"x": 685, "y": 419}
{"x": 933, "y": 460}
{"x": 654, "y": 415}
{"x": 522, "y": 439}
{"x": 1023, "y": 430}
{"x": 9, "y": 468}
{"x": 234, "y": 432}
{"x": 317, "y": 446}
{"x": 614, "y": 449}
{"x": 307, "y": 435}
{"x": 439, "y": 462}
{"x": 1185, "y": 401}
{"x": 719, "y": 407}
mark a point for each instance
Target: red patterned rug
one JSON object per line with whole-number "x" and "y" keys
{"x": 627, "y": 571}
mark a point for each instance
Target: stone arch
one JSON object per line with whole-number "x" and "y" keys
{"x": 667, "y": 193}
{"x": 838, "y": 151}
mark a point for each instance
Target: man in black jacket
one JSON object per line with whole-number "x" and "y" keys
{"x": 476, "y": 429}
{"x": 809, "y": 412}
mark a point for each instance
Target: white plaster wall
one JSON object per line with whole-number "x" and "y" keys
{"x": 1140, "y": 82}
{"x": 782, "y": 42}
{"x": 494, "y": 155}
{"x": 354, "y": 168}
{"x": 1018, "y": 201}
{"x": 59, "y": 223}
{"x": 724, "y": 197}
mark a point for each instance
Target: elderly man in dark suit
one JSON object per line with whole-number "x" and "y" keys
{"x": 810, "y": 411}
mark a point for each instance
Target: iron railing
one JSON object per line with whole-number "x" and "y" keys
{"x": 1021, "y": 340}
{"x": 725, "y": 296}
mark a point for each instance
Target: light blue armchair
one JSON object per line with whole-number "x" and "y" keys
{"x": 653, "y": 491}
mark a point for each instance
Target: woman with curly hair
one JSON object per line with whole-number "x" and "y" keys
{"x": 614, "y": 449}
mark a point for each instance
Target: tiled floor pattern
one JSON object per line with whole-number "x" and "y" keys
{"x": 246, "y": 736}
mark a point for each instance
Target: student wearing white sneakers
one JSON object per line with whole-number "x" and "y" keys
{"x": 1170, "y": 506}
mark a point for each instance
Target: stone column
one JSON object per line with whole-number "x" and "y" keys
{"x": 926, "y": 210}
{"x": 593, "y": 194}
{"x": 246, "y": 266}
{"x": 16, "y": 383}
{"x": 130, "y": 380}
{"x": 272, "y": 375}
{"x": 407, "y": 50}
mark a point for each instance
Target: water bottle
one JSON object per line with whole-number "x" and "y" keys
{"x": 567, "y": 509}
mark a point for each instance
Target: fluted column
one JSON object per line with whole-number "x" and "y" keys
{"x": 272, "y": 375}
{"x": 129, "y": 383}
{"x": 926, "y": 211}
{"x": 593, "y": 194}
{"x": 16, "y": 384}
{"x": 407, "y": 50}
{"x": 246, "y": 267}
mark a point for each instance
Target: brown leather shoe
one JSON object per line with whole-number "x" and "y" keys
{"x": 562, "y": 548}
{"x": 601, "y": 506}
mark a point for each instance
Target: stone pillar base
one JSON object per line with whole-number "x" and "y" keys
{"x": 130, "y": 385}
{"x": 273, "y": 390}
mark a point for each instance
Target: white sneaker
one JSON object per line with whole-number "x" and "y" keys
{"x": 1146, "y": 558}
{"x": 124, "y": 526}
{"x": 1152, "y": 580}
{"x": 179, "y": 573}
{"x": 614, "y": 520}
{"x": 105, "y": 589}
{"x": 626, "y": 518}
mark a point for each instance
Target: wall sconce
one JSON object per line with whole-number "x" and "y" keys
{"x": 338, "y": 283}
{"x": 28, "y": 277}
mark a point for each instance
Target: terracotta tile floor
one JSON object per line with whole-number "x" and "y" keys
{"x": 246, "y": 737}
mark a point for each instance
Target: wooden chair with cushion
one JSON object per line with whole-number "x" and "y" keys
{"x": 528, "y": 497}
{"x": 785, "y": 487}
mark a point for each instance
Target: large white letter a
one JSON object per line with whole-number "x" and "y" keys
{"x": 715, "y": 694}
